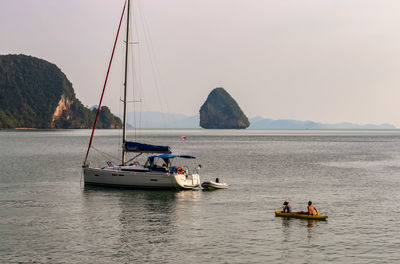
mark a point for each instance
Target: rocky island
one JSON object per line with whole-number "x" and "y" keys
{"x": 221, "y": 111}
{"x": 35, "y": 93}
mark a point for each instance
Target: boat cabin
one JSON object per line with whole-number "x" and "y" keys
{"x": 165, "y": 162}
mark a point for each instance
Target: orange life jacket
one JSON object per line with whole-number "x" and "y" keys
{"x": 311, "y": 209}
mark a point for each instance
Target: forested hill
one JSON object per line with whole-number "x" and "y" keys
{"x": 36, "y": 94}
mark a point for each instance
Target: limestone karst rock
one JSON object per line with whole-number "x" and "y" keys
{"x": 221, "y": 111}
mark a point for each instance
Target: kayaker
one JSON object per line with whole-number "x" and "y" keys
{"x": 311, "y": 209}
{"x": 287, "y": 208}
{"x": 217, "y": 180}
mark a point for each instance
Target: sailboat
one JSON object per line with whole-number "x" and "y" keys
{"x": 160, "y": 171}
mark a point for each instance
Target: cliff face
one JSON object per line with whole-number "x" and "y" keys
{"x": 63, "y": 105}
{"x": 221, "y": 111}
{"x": 36, "y": 94}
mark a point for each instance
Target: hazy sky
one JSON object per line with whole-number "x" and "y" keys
{"x": 327, "y": 61}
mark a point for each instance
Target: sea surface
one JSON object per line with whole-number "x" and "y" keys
{"x": 48, "y": 216}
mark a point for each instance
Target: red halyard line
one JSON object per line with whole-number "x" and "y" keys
{"x": 104, "y": 87}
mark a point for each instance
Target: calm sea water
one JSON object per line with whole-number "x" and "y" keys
{"x": 48, "y": 216}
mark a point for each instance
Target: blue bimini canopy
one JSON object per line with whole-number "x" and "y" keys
{"x": 167, "y": 157}
{"x": 145, "y": 148}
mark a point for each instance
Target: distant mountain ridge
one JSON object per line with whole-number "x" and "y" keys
{"x": 265, "y": 123}
{"x": 163, "y": 120}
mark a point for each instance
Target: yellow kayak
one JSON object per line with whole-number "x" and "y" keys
{"x": 303, "y": 216}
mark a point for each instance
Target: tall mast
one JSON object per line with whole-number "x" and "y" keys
{"x": 125, "y": 84}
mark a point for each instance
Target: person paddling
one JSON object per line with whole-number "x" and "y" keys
{"x": 311, "y": 209}
{"x": 287, "y": 208}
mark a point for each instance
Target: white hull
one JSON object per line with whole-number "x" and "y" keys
{"x": 117, "y": 177}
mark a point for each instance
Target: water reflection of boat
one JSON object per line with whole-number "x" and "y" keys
{"x": 130, "y": 220}
{"x": 135, "y": 219}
